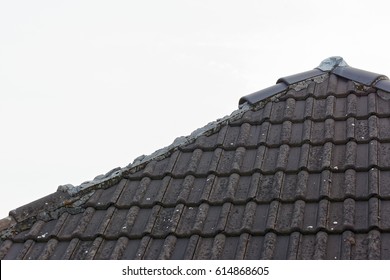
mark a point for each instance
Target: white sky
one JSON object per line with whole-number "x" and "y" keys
{"x": 87, "y": 86}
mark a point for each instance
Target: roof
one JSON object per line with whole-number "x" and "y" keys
{"x": 299, "y": 171}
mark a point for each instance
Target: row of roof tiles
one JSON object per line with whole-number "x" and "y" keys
{"x": 296, "y": 245}
{"x": 295, "y": 134}
{"x": 267, "y": 160}
{"x": 239, "y": 189}
{"x": 353, "y": 105}
{"x": 208, "y": 220}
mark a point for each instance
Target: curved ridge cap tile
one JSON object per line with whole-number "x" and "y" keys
{"x": 48, "y": 203}
{"x": 383, "y": 85}
{"x": 296, "y": 78}
{"x": 361, "y": 76}
{"x": 263, "y": 94}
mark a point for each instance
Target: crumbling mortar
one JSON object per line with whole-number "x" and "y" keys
{"x": 304, "y": 84}
{"x": 71, "y": 206}
{"x": 380, "y": 78}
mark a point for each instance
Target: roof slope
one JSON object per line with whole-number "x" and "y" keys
{"x": 301, "y": 171}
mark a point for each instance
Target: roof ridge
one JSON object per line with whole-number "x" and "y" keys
{"x": 335, "y": 65}
{"x": 139, "y": 162}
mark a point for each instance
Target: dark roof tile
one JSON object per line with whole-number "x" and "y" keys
{"x": 274, "y": 134}
{"x": 317, "y": 132}
{"x": 282, "y": 160}
{"x": 357, "y": 75}
{"x": 155, "y": 192}
{"x": 117, "y": 223}
{"x": 241, "y": 192}
{"x": 285, "y": 136}
{"x": 186, "y": 222}
{"x": 173, "y": 248}
{"x": 299, "y": 111}
{"x": 264, "y": 131}
{"x": 271, "y": 157}
{"x": 105, "y": 249}
{"x": 307, "y": 246}
{"x": 263, "y": 94}
{"x": 35, "y": 251}
{"x": 127, "y": 249}
{"x": 269, "y": 246}
{"x": 340, "y": 109}
{"x": 216, "y": 219}
{"x": 296, "y": 134}
{"x": 236, "y": 217}
{"x": 254, "y": 247}
{"x": 153, "y": 249}
{"x": 309, "y": 105}
{"x": 319, "y": 109}
{"x": 383, "y": 154}
{"x": 224, "y": 189}
{"x": 70, "y": 224}
{"x": 225, "y": 162}
{"x": 120, "y": 247}
{"x": 384, "y": 188}
{"x": 339, "y": 132}
{"x": 95, "y": 224}
{"x": 5, "y": 247}
{"x": 209, "y": 162}
{"x": 231, "y": 136}
{"x": 278, "y": 112}
{"x": 384, "y": 131}
{"x": 289, "y": 187}
{"x": 142, "y": 247}
{"x": 167, "y": 221}
{"x": 351, "y": 105}
{"x": 255, "y": 223}
{"x": 126, "y": 197}
{"x": 103, "y": 198}
{"x": 383, "y": 85}
{"x": 266, "y": 112}
{"x": 140, "y": 192}
{"x": 332, "y": 84}
{"x": 203, "y": 248}
{"x": 172, "y": 190}
{"x": 48, "y": 250}
{"x": 382, "y": 106}
{"x": 18, "y": 250}
{"x": 320, "y": 90}
{"x": 251, "y": 141}
{"x": 91, "y": 253}
{"x": 384, "y": 215}
{"x": 307, "y": 75}
{"x": 306, "y": 131}
{"x": 138, "y": 221}
{"x": 232, "y": 248}
{"x": 200, "y": 190}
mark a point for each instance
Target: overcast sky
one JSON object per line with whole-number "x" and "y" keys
{"x": 87, "y": 86}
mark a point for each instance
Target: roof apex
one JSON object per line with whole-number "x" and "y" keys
{"x": 331, "y": 63}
